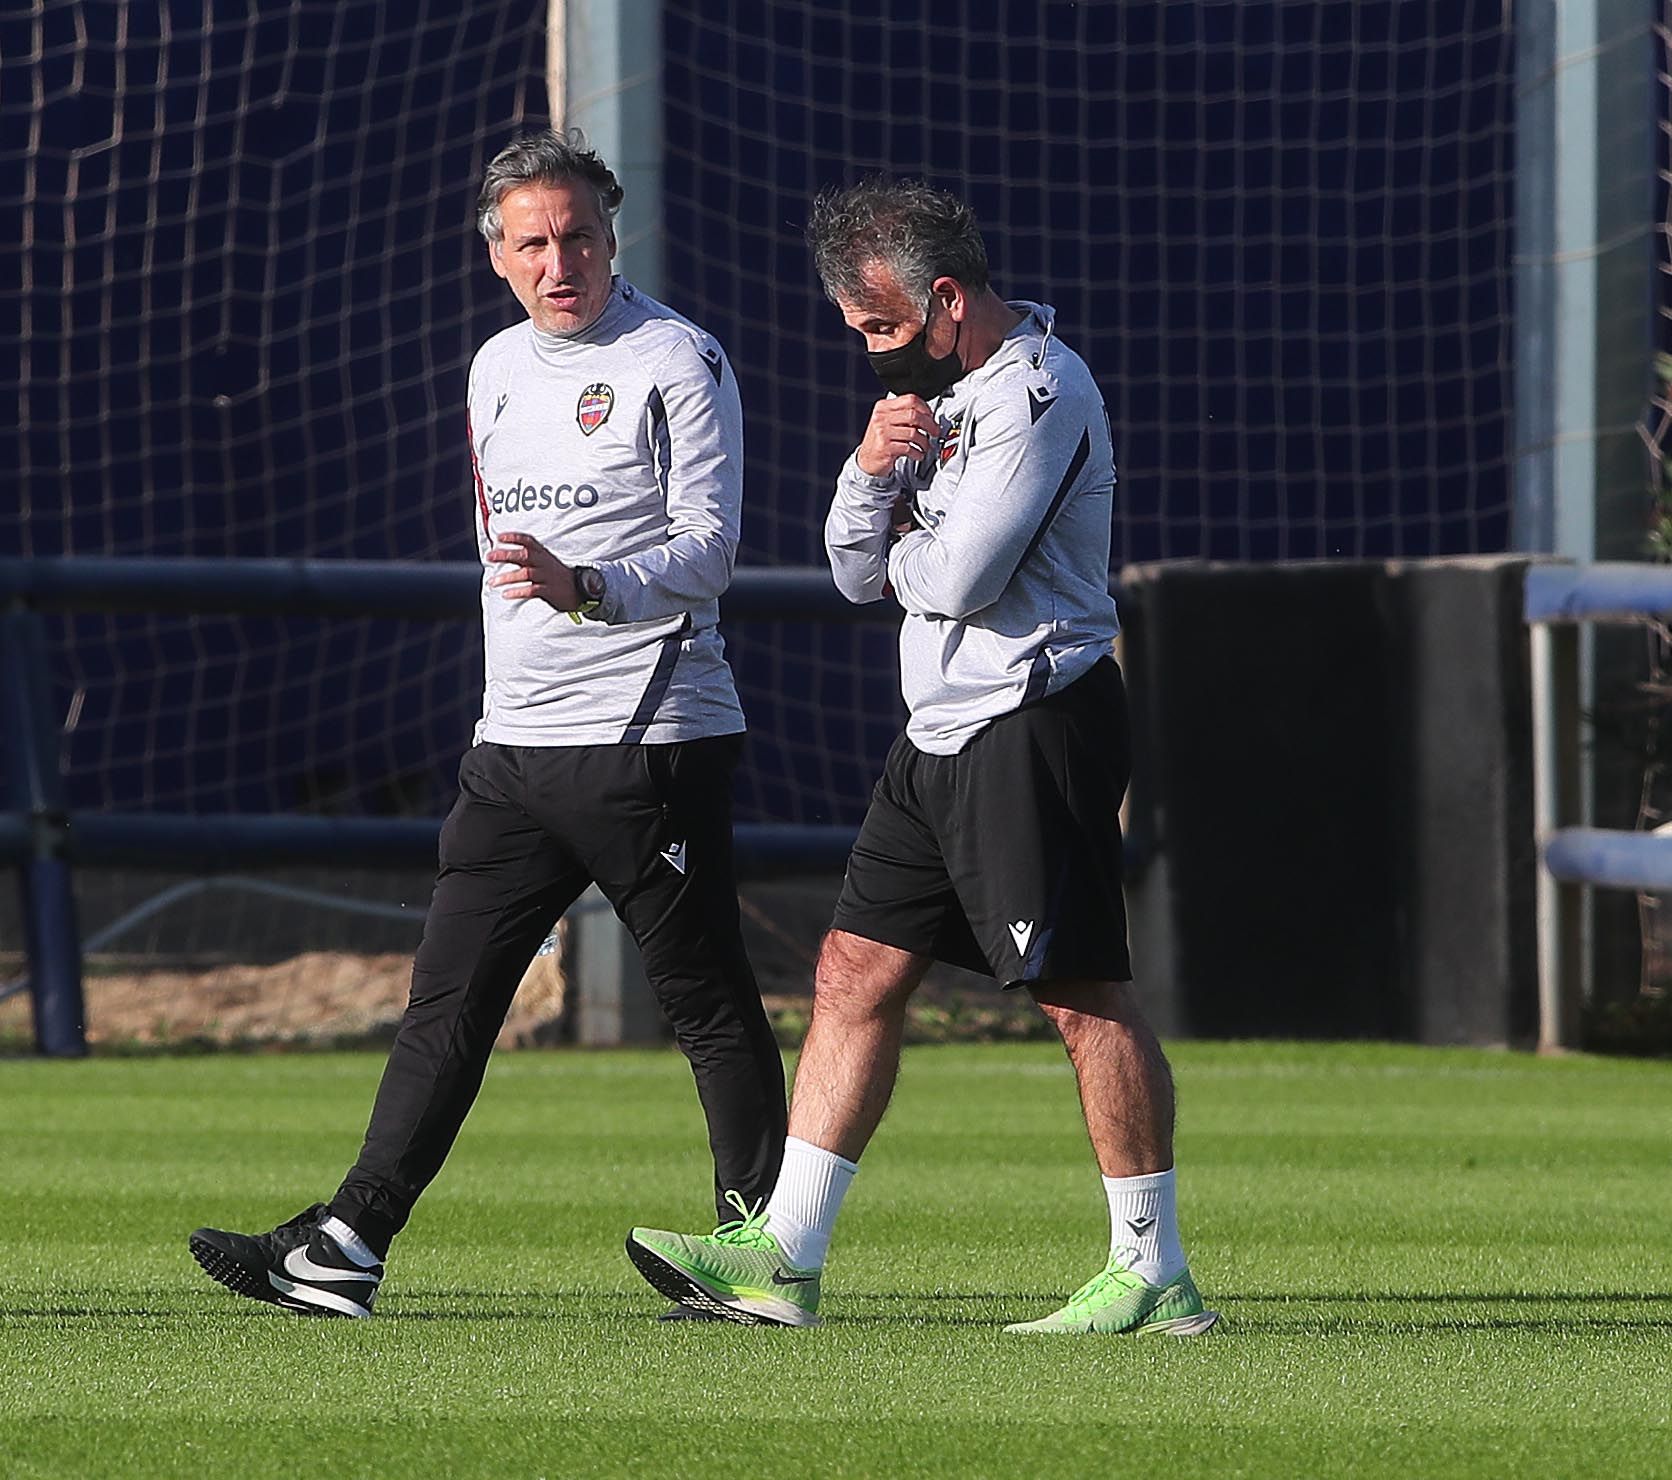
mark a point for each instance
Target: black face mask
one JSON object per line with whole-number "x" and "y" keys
{"x": 911, "y": 370}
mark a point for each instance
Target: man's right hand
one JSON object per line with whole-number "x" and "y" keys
{"x": 901, "y": 426}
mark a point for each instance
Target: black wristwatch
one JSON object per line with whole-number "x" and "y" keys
{"x": 589, "y": 586}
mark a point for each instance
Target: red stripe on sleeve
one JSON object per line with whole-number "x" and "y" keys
{"x": 476, "y": 472}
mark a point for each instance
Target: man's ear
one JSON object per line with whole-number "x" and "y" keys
{"x": 496, "y": 255}
{"x": 952, "y": 296}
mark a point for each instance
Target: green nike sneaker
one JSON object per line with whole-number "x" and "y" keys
{"x": 737, "y": 1272}
{"x": 1116, "y": 1300}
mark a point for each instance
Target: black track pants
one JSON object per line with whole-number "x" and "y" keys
{"x": 531, "y": 829}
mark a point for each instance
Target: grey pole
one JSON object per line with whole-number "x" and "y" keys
{"x": 604, "y": 76}
{"x": 1555, "y": 771}
{"x": 1584, "y": 182}
{"x": 1584, "y": 174}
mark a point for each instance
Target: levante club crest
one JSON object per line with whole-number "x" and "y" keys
{"x": 949, "y": 442}
{"x": 594, "y": 407}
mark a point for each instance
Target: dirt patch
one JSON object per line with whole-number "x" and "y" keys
{"x": 315, "y": 999}
{"x": 331, "y": 998}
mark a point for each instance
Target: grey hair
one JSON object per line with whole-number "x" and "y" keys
{"x": 917, "y": 232}
{"x": 545, "y": 158}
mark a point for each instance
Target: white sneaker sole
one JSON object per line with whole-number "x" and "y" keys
{"x": 1196, "y": 1325}
{"x": 307, "y": 1300}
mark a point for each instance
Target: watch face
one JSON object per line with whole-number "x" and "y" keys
{"x": 592, "y": 584}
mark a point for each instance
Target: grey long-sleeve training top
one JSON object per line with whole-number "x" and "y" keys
{"x": 621, "y": 448}
{"x": 1005, "y": 583}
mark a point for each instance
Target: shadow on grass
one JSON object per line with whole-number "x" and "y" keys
{"x": 1454, "y": 1297}
{"x": 1335, "y": 1325}
{"x": 84, "y": 1313}
{"x": 1360, "y": 1313}
{"x": 1343, "y": 1313}
{"x": 1353, "y": 1313}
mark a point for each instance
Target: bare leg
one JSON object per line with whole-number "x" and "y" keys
{"x": 852, "y": 1054}
{"x": 1126, "y": 1088}
{"x": 1126, "y": 1091}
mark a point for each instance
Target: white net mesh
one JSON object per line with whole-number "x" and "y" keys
{"x": 246, "y": 291}
{"x": 245, "y": 294}
{"x": 249, "y": 283}
{"x": 1279, "y": 233}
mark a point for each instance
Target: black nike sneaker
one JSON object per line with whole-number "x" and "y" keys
{"x": 297, "y": 1266}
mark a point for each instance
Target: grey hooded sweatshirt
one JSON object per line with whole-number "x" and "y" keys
{"x": 620, "y": 447}
{"x": 1005, "y": 580}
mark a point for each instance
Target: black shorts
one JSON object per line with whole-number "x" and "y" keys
{"x": 1005, "y": 858}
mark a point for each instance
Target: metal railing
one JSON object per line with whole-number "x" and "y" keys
{"x": 45, "y": 840}
{"x": 1558, "y": 599}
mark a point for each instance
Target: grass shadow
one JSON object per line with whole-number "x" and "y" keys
{"x": 1310, "y": 1313}
{"x": 1420, "y": 1297}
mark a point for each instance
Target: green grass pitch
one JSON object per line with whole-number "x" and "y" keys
{"x": 1429, "y": 1262}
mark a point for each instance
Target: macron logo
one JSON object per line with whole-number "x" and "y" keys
{"x": 1021, "y": 932}
{"x": 500, "y": 407}
{"x": 675, "y": 854}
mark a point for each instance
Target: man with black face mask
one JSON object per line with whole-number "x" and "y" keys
{"x": 981, "y": 498}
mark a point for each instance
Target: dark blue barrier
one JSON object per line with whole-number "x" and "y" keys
{"x": 17, "y": 838}
{"x": 167, "y": 840}
{"x": 363, "y": 588}
{"x": 34, "y": 793}
{"x": 180, "y": 840}
{"x": 44, "y": 842}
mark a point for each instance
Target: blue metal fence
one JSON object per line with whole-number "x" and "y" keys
{"x": 44, "y": 840}
{"x": 1558, "y": 598}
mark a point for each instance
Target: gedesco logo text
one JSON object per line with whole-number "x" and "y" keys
{"x": 523, "y": 498}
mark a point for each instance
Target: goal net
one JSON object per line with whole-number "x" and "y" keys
{"x": 245, "y": 289}
{"x": 239, "y": 313}
{"x": 1278, "y": 233}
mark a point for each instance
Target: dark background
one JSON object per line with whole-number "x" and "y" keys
{"x": 244, "y": 287}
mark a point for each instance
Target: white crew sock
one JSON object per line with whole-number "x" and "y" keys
{"x": 350, "y": 1242}
{"x": 803, "y": 1207}
{"x": 1143, "y": 1216}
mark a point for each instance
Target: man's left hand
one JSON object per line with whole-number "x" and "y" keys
{"x": 531, "y": 570}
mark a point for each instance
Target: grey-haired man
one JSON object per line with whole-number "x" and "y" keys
{"x": 980, "y": 496}
{"x": 606, "y": 448}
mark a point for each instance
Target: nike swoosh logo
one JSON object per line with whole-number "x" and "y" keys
{"x": 298, "y": 1265}
{"x": 780, "y": 1278}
